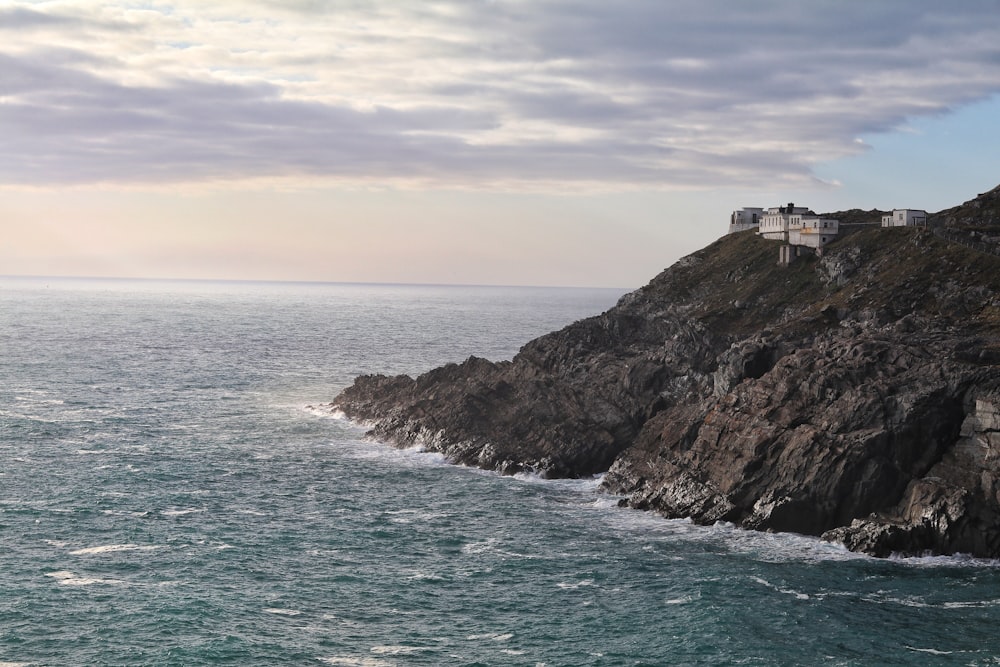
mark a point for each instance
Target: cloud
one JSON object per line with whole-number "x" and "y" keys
{"x": 23, "y": 18}
{"x": 503, "y": 93}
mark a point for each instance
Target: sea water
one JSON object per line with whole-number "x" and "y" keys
{"x": 168, "y": 498}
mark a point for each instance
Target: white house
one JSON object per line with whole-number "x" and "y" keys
{"x": 744, "y": 219}
{"x": 797, "y": 225}
{"x": 904, "y": 217}
{"x": 812, "y": 231}
{"x": 774, "y": 225}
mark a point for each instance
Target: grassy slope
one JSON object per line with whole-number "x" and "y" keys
{"x": 736, "y": 287}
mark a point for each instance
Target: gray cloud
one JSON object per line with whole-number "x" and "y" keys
{"x": 22, "y": 18}
{"x": 680, "y": 93}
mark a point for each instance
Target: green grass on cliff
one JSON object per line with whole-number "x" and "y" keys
{"x": 735, "y": 285}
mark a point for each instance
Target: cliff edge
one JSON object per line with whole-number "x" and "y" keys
{"x": 854, "y": 396}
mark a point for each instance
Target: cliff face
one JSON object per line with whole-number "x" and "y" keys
{"x": 853, "y": 396}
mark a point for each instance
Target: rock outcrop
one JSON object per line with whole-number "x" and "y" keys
{"x": 982, "y": 211}
{"x": 853, "y": 396}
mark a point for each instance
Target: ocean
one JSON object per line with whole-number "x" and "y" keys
{"x": 168, "y": 497}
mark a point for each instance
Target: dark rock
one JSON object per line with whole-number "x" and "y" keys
{"x": 852, "y": 396}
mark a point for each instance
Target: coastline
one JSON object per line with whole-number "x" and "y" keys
{"x": 849, "y": 396}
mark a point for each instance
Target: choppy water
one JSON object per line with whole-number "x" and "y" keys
{"x": 167, "y": 498}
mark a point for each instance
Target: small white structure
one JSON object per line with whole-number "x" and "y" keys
{"x": 743, "y": 219}
{"x": 905, "y": 217}
{"x": 812, "y": 231}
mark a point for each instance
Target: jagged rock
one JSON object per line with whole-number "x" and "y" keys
{"x": 853, "y": 396}
{"x": 836, "y": 268}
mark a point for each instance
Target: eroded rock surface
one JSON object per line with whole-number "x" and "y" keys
{"x": 853, "y": 396}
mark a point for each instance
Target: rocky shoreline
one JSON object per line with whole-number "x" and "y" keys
{"x": 854, "y": 396}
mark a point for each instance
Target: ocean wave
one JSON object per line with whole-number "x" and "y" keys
{"x": 955, "y": 560}
{"x": 348, "y": 661}
{"x": 760, "y": 546}
{"x": 409, "y": 516}
{"x": 494, "y": 637}
{"x": 67, "y": 578}
{"x": 327, "y": 411}
{"x": 580, "y": 484}
{"x": 798, "y": 595}
{"x": 283, "y": 612}
{"x": 932, "y": 651}
{"x": 973, "y": 604}
{"x": 491, "y": 547}
{"x": 682, "y": 600}
{"x": 181, "y": 512}
{"x": 398, "y": 650}
{"x": 135, "y": 515}
{"x": 111, "y": 548}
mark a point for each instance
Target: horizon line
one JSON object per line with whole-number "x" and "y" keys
{"x": 264, "y": 281}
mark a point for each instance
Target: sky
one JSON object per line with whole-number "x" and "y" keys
{"x": 506, "y": 142}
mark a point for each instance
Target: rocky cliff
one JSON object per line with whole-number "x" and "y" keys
{"x": 854, "y": 396}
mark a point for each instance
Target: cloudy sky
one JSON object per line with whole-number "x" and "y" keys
{"x": 557, "y": 142}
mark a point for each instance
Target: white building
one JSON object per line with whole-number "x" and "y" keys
{"x": 776, "y": 222}
{"x": 744, "y": 219}
{"x": 797, "y": 225}
{"x": 812, "y": 231}
{"x": 904, "y": 217}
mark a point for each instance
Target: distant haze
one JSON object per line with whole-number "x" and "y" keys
{"x": 485, "y": 142}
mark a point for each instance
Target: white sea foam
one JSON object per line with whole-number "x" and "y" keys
{"x": 881, "y": 598}
{"x": 349, "y": 661}
{"x": 397, "y": 650}
{"x": 137, "y": 515}
{"x": 67, "y": 578}
{"x": 473, "y": 548}
{"x": 974, "y": 604}
{"x": 326, "y": 410}
{"x": 494, "y": 637}
{"x": 283, "y": 612}
{"x": 577, "y": 584}
{"x": 408, "y": 516}
{"x": 764, "y": 547}
{"x": 957, "y": 560}
{"x": 111, "y": 548}
{"x": 784, "y": 591}
{"x": 605, "y": 502}
{"x": 684, "y": 600}
{"x": 422, "y": 575}
{"x": 932, "y": 651}
{"x": 16, "y": 664}
{"x": 181, "y": 512}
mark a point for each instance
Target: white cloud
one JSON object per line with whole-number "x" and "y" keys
{"x": 509, "y": 93}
